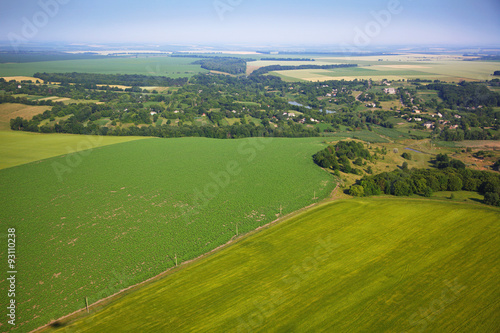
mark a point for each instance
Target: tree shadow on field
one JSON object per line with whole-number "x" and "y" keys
{"x": 57, "y": 324}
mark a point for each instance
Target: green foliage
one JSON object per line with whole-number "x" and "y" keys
{"x": 339, "y": 157}
{"x": 492, "y": 199}
{"x": 406, "y": 156}
{"x": 425, "y": 182}
{"x": 357, "y": 191}
{"x": 466, "y": 94}
{"x": 224, "y": 64}
{"x": 111, "y": 79}
{"x": 443, "y": 161}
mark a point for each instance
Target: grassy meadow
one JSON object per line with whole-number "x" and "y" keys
{"x": 103, "y": 219}
{"x": 363, "y": 265}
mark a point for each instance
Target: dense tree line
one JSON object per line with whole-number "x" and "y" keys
{"x": 73, "y": 125}
{"x": 272, "y": 68}
{"x": 466, "y": 95}
{"x": 483, "y": 57}
{"x": 468, "y": 134}
{"x": 453, "y": 177}
{"x": 112, "y": 79}
{"x": 224, "y": 64}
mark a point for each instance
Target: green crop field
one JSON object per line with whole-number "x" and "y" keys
{"x": 159, "y": 66}
{"x": 100, "y": 220}
{"x": 18, "y": 148}
{"x": 364, "y": 265}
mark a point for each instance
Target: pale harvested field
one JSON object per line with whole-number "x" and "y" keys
{"x": 250, "y": 69}
{"x": 449, "y": 71}
{"x": 404, "y": 57}
{"x": 10, "y": 111}
{"x": 55, "y": 99}
{"x": 158, "y": 89}
{"x": 21, "y": 78}
{"x": 263, "y": 63}
{"x": 402, "y": 66}
{"x": 114, "y": 86}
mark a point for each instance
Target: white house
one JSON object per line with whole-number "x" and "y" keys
{"x": 428, "y": 125}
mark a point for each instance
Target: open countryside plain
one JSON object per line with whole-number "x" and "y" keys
{"x": 140, "y": 206}
{"x": 451, "y": 68}
{"x": 376, "y": 265}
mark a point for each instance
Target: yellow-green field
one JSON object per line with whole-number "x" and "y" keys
{"x": 365, "y": 265}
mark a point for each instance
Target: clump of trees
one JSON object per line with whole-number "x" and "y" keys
{"x": 339, "y": 157}
{"x": 406, "y": 156}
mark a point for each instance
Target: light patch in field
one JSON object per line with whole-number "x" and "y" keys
{"x": 401, "y": 66}
{"x": 158, "y": 89}
{"x": 22, "y": 78}
{"x": 10, "y": 111}
{"x": 251, "y": 69}
{"x": 119, "y": 86}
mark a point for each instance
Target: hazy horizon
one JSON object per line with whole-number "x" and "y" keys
{"x": 355, "y": 24}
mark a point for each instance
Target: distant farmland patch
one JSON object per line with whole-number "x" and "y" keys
{"x": 10, "y": 111}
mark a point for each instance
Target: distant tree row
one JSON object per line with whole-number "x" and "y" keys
{"x": 468, "y": 134}
{"x": 224, "y": 64}
{"x": 287, "y": 59}
{"x": 112, "y": 79}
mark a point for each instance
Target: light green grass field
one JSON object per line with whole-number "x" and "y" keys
{"x": 18, "y": 148}
{"x": 367, "y": 265}
{"x": 159, "y": 66}
{"x": 101, "y": 220}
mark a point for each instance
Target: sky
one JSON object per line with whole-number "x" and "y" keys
{"x": 351, "y": 23}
